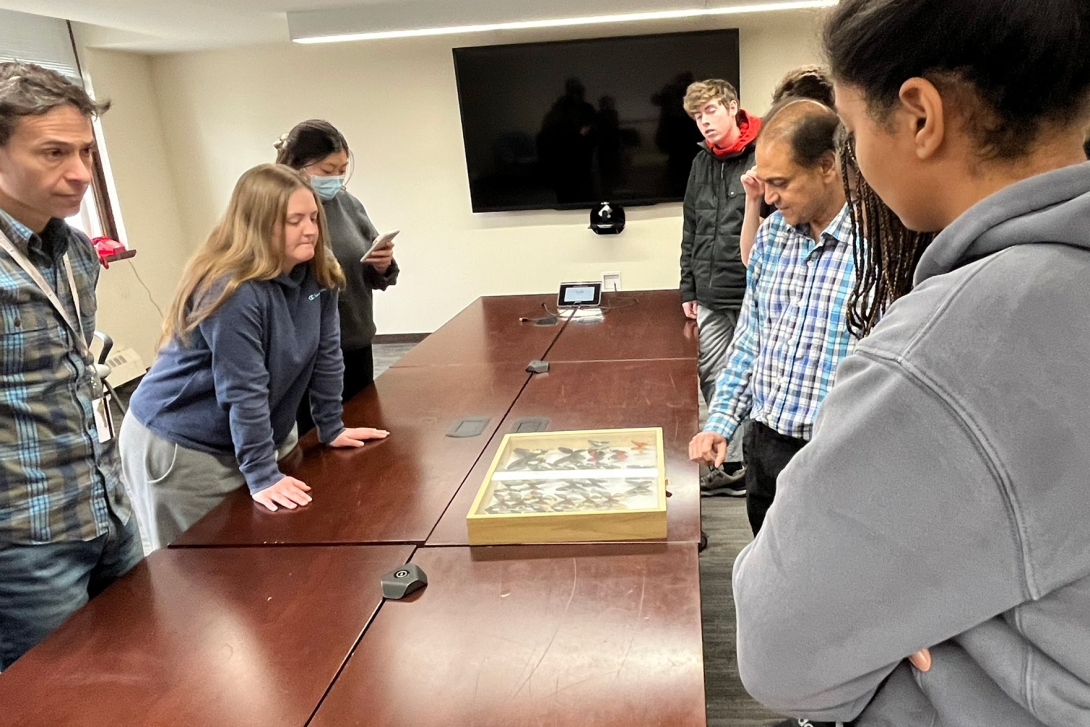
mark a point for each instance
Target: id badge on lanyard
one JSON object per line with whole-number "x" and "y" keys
{"x": 100, "y": 403}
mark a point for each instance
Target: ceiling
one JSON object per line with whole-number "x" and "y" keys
{"x": 164, "y": 26}
{"x": 172, "y": 25}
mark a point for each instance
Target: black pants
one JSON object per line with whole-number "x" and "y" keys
{"x": 766, "y": 454}
{"x": 359, "y": 373}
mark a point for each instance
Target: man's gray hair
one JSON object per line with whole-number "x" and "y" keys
{"x": 30, "y": 90}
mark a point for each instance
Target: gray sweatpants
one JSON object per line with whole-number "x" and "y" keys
{"x": 171, "y": 486}
{"x": 716, "y": 330}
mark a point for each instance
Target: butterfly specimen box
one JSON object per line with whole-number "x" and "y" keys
{"x": 562, "y": 487}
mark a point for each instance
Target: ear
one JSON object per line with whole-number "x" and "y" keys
{"x": 732, "y": 108}
{"x": 922, "y": 115}
{"x": 829, "y": 167}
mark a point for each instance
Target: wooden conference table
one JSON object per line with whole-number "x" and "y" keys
{"x": 257, "y": 618}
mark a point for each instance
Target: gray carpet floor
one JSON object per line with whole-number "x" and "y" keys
{"x": 728, "y": 705}
{"x": 387, "y": 354}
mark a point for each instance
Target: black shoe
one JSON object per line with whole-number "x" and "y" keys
{"x": 803, "y": 723}
{"x": 727, "y": 479}
{"x": 703, "y": 544}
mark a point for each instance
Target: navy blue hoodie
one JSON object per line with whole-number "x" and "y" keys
{"x": 236, "y": 387}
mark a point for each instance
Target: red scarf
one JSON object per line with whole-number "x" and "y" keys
{"x": 749, "y": 128}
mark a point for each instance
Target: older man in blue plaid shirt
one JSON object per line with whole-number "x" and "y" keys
{"x": 66, "y": 531}
{"x": 793, "y": 329}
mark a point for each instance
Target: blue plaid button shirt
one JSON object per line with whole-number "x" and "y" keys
{"x": 57, "y": 482}
{"x": 792, "y": 331}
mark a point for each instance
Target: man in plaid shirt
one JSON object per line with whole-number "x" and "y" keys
{"x": 66, "y": 530}
{"x": 792, "y": 332}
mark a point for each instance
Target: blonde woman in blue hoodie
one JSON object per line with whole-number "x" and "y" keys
{"x": 927, "y": 559}
{"x": 253, "y": 327}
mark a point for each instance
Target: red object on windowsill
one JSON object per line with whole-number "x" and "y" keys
{"x": 111, "y": 251}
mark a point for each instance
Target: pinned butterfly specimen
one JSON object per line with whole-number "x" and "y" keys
{"x": 527, "y": 459}
{"x": 572, "y": 459}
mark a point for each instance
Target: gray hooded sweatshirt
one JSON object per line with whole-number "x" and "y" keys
{"x": 944, "y": 501}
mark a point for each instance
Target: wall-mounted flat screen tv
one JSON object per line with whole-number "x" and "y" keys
{"x": 566, "y": 125}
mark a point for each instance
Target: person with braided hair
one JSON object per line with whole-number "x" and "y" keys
{"x": 886, "y": 252}
{"x": 927, "y": 560}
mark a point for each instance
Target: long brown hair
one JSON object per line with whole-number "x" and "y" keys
{"x": 247, "y": 244}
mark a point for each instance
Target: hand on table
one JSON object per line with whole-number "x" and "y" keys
{"x": 689, "y": 307}
{"x": 289, "y": 493}
{"x": 357, "y": 436}
{"x": 708, "y": 447}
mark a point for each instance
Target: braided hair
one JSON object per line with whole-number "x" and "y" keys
{"x": 886, "y": 252}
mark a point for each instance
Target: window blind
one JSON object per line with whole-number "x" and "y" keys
{"x": 38, "y": 39}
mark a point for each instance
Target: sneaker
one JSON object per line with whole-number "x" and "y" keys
{"x": 803, "y": 723}
{"x": 728, "y": 479}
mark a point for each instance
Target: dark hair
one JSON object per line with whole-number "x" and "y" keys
{"x": 30, "y": 90}
{"x": 812, "y": 82}
{"x": 886, "y": 252}
{"x": 809, "y": 127}
{"x": 309, "y": 142}
{"x": 1025, "y": 65}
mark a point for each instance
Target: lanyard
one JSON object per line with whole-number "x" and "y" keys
{"x": 36, "y": 275}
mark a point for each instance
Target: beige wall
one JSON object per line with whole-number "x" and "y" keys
{"x": 397, "y": 104}
{"x": 136, "y": 150}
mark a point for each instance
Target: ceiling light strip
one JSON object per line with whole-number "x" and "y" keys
{"x": 569, "y": 22}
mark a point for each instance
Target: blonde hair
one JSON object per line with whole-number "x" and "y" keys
{"x": 699, "y": 94}
{"x": 246, "y": 244}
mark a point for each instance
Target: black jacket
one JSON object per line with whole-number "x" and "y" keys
{"x": 712, "y": 272}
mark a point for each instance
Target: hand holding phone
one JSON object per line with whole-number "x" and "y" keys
{"x": 382, "y": 242}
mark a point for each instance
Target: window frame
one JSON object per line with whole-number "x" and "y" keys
{"x": 103, "y": 205}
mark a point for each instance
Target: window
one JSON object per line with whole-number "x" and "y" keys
{"x": 49, "y": 43}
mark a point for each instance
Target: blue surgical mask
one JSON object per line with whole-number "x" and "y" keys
{"x": 327, "y": 187}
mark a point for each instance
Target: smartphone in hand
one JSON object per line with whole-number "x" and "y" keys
{"x": 381, "y": 242}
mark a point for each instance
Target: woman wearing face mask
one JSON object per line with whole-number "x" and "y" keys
{"x": 318, "y": 150}
{"x": 252, "y": 327}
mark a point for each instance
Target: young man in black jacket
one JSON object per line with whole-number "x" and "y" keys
{"x": 713, "y": 277}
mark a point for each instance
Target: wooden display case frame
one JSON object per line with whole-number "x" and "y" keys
{"x": 577, "y": 526}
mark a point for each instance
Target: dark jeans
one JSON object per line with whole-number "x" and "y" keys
{"x": 767, "y": 453}
{"x": 359, "y": 373}
{"x": 42, "y": 585}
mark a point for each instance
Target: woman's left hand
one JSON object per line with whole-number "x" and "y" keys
{"x": 357, "y": 436}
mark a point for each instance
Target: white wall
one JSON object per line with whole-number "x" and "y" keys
{"x": 136, "y": 148}
{"x": 397, "y": 104}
